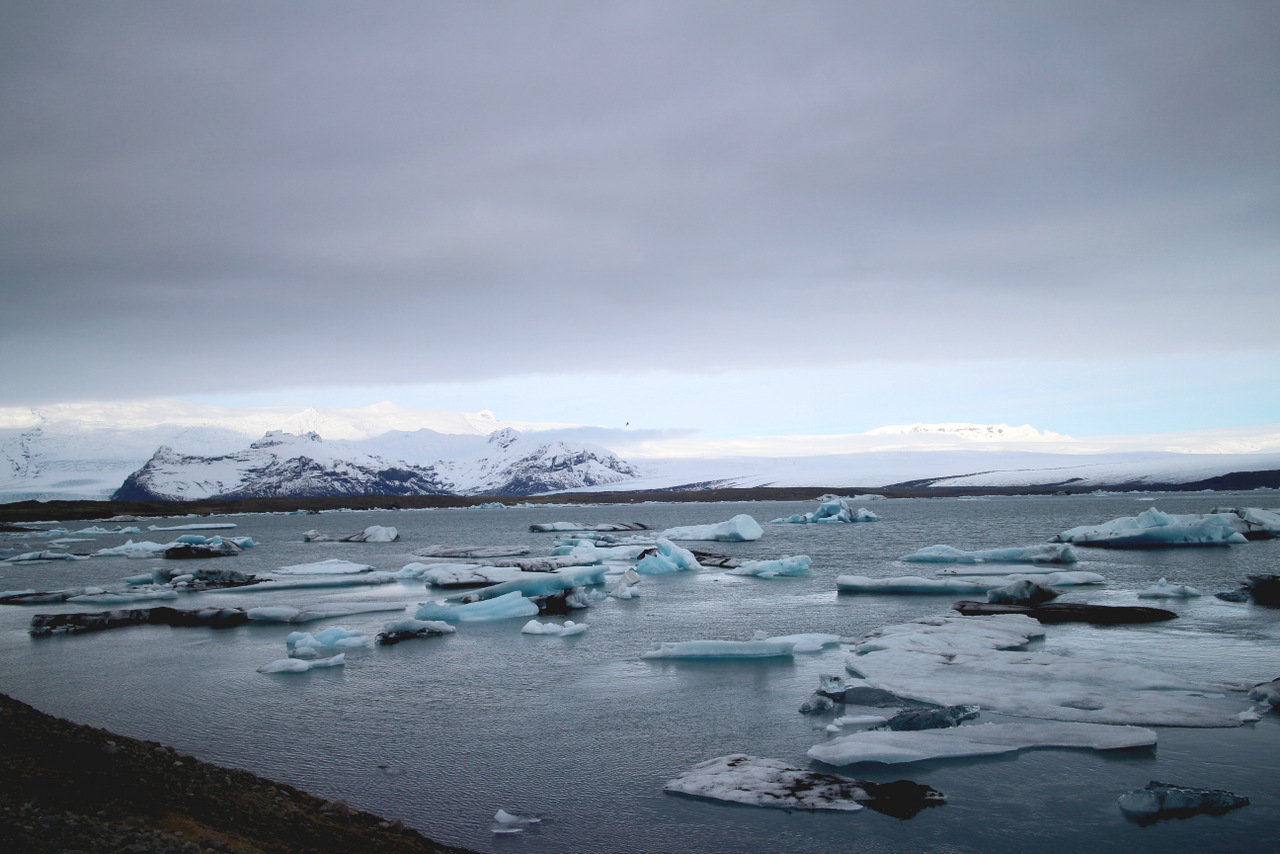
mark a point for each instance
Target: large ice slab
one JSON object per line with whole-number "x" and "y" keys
{"x": 1153, "y": 529}
{"x": 890, "y": 747}
{"x": 1042, "y": 553}
{"x": 289, "y": 614}
{"x": 461, "y": 574}
{"x": 785, "y": 567}
{"x": 914, "y": 584}
{"x": 957, "y": 660}
{"x": 721, "y": 649}
{"x": 831, "y": 510}
{"x": 503, "y": 607}
{"x": 335, "y": 566}
{"x": 740, "y": 529}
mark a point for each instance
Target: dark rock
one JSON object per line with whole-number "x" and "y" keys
{"x": 1162, "y": 800}
{"x": 1070, "y": 612}
{"x": 910, "y": 720}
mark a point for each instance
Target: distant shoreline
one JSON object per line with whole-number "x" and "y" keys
{"x": 31, "y": 511}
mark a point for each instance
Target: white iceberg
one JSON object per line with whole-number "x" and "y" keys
{"x": 333, "y": 566}
{"x": 889, "y": 747}
{"x": 505, "y": 822}
{"x": 130, "y": 549}
{"x": 298, "y": 665}
{"x": 831, "y": 510}
{"x": 374, "y": 534}
{"x": 807, "y": 642}
{"x": 911, "y": 584}
{"x": 721, "y": 649}
{"x": 305, "y": 644}
{"x": 624, "y": 586}
{"x": 533, "y": 627}
{"x": 1042, "y": 553}
{"x": 786, "y": 567}
{"x": 533, "y": 584}
{"x": 1153, "y": 529}
{"x": 667, "y": 557}
{"x": 501, "y": 608}
{"x": 955, "y": 660}
{"x": 740, "y": 529}
{"x": 461, "y": 574}
{"x": 98, "y": 531}
{"x": 1164, "y": 589}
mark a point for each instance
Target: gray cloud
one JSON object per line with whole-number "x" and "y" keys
{"x": 245, "y": 195}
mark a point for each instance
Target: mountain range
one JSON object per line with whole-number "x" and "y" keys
{"x": 173, "y": 450}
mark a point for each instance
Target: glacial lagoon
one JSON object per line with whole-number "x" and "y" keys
{"x": 583, "y": 732}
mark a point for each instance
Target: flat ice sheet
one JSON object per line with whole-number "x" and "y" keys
{"x": 889, "y": 747}
{"x": 758, "y": 782}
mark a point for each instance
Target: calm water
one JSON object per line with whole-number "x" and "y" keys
{"x": 443, "y": 732}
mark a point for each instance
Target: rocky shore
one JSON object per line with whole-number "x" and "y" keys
{"x": 65, "y": 787}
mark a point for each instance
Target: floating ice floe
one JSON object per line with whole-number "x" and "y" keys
{"x": 307, "y": 645}
{"x": 505, "y": 822}
{"x": 756, "y": 781}
{"x": 99, "y": 531}
{"x": 298, "y": 665}
{"x": 319, "y": 582}
{"x": 533, "y": 627}
{"x": 195, "y": 526}
{"x": 31, "y": 557}
{"x": 1153, "y": 529}
{"x": 831, "y": 510}
{"x": 786, "y": 567}
{"x": 334, "y": 566}
{"x": 666, "y": 557}
{"x": 503, "y": 607}
{"x": 287, "y": 614}
{"x": 1043, "y": 553}
{"x": 741, "y": 528}
{"x": 314, "y": 536}
{"x": 721, "y": 649}
{"x": 461, "y": 574}
{"x": 808, "y": 642}
{"x": 890, "y": 747}
{"x": 374, "y": 534}
{"x": 957, "y": 660}
{"x": 1163, "y": 589}
{"x": 100, "y": 596}
{"x": 548, "y": 527}
{"x": 535, "y": 584}
{"x": 402, "y": 630}
{"x": 1161, "y": 800}
{"x": 960, "y": 584}
{"x": 130, "y": 549}
{"x": 472, "y": 551}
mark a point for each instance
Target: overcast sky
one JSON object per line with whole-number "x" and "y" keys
{"x": 736, "y": 217}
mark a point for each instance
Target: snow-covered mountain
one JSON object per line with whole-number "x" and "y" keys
{"x": 282, "y": 464}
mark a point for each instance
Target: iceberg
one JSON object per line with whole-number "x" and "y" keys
{"x": 131, "y": 549}
{"x": 1153, "y": 529}
{"x": 623, "y": 587}
{"x": 287, "y": 614}
{"x": 1259, "y": 524}
{"x": 740, "y": 529}
{"x": 297, "y": 665}
{"x": 831, "y": 510}
{"x": 1163, "y": 589}
{"x": 556, "y": 527}
{"x": 786, "y": 567}
{"x": 196, "y": 526}
{"x": 334, "y": 566}
{"x": 894, "y": 747}
{"x": 666, "y": 557}
{"x": 31, "y": 557}
{"x": 505, "y": 822}
{"x": 472, "y": 551}
{"x": 533, "y": 627}
{"x": 535, "y": 584}
{"x": 462, "y": 574}
{"x": 305, "y": 644}
{"x": 99, "y": 531}
{"x": 956, "y": 660}
{"x": 912, "y": 584}
{"x": 1161, "y": 800}
{"x": 808, "y": 642}
{"x": 503, "y": 607}
{"x": 1043, "y": 553}
{"x": 374, "y": 534}
{"x": 99, "y": 596}
{"x": 721, "y": 649}
{"x": 318, "y": 582}
{"x": 407, "y": 629}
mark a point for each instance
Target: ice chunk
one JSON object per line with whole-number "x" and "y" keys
{"x": 1163, "y": 589}
{"x": 131, "y": 549}
{"x": 31, "y": 557}
{"x": 910, "y": 584}
{"x": 99, "y": 596}
{"x": 786, "y": 567}
{"x": 1024, "y": 592}
{"x": 831, "y": 510}
{"x": 195, "y": 526}
{"x": 287, "y": 614}
{"x": 297, "y": 665}
{"x": 1161, "y": 800}
{"x": 739, "y": 529}
{"x": 534, "y": 584}
{"x": 973, "y": 660}
{"x": 890, "y": 747}
{"x": 333, "y": 566}
{"x": 809, "y": 642}
{"x": 314, "y": 536}
{"x": 623, "y": 587}
{"x": 533, "y": 627}
{"x": 303, "y": 644}
{"x": 666, "y": 557}
{"x": 96, "y": 530}
{"x": 1152, "y": 529}
{"x": 503, "y": 607}
{"x": 505, "y": 822}
{"x": 548, "y": 527}
{"x": 462, "y": 574}
{"x": 374, "y": 534}
{"x": 1267, "y": 692}
{"x": 1259, "y": 524}
{"x": 406, "y": 629}
{"x": 721, "y": 649}
{"x": 472, "y": 551}
{"x": 1043, "y": 553}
